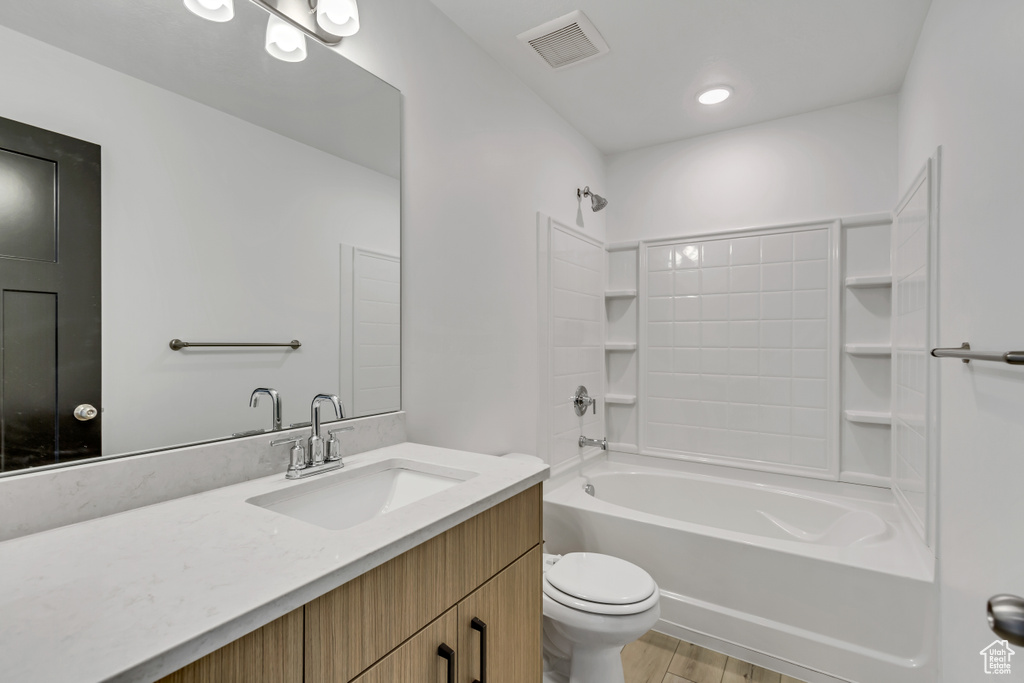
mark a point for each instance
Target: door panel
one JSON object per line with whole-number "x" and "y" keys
{"x": 50, "y": 279}
{"x": 30, "y": 378}
{"x": 509, "y": 607}
{"x": 28, "y": 207}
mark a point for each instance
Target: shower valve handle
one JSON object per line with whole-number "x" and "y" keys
{"x": 581, "y": 400}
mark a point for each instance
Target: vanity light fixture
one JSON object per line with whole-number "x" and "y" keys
{"x": 340, "y": 17}
{"x": 284, "y": 41}
{"x": 715, "y": 95}
{"x": 214, "y": 10}
{"x": 326, "y": 21}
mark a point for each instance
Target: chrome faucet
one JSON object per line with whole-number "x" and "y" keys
{"x": 275, "y": 404}
{"x": 316, "y": 444}
{"x": 305, "y": 464}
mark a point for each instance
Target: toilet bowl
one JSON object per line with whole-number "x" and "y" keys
{"x": 593, "y": 606}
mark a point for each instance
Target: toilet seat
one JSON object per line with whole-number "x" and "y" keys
{"x": 600, "y": 584}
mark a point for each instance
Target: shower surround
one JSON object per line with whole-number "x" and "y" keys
{"x": 751, "y": 392}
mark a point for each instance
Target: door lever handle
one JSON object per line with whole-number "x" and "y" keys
{"x": 1006, "y": 618}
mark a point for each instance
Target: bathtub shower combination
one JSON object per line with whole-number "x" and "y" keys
{"x": 838, "y": 585}
{"x": 766, "y": 407}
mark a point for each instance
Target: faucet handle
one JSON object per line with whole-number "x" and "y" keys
{"x": 297, "y": 461}
{"x": 333, "y": 447}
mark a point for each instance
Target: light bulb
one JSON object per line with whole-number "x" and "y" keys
{"x": 714, "y": 95}
{"x": 284, "y": 41}
{"x": 214, "y": 10}
{"x": 340, "y": 17}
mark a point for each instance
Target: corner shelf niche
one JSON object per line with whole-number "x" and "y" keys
{"x": 621, "y": 357}
{"x": 866, "y": 381}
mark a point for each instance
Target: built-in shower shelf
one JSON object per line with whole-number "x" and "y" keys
{"x": 868, "y": 281}
{"x": 620, "y": 346}
{"x": 877, "y": 350}
{"x": 620, "y": 294}
{"x": 868, "y": 417}
{"x": 620, "y": 399}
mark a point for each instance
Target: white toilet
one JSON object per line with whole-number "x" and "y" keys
{"x": 593, "y": 606}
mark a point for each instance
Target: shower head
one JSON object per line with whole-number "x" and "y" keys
{"x": 597, "y": 202}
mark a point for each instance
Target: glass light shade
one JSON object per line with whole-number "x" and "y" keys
{"x": 214, "y": 10}
{"x": 340, "y": 17}
{"x": 284, "y": 41}
{"x": 714, "y": 95}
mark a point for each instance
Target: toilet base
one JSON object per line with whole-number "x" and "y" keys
{"x": 587, "y": 648}
{"x": 596, "y": 665}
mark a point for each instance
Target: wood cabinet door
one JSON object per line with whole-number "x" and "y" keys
{"x": 502, "y": 623}
{"x": 420, "y": 659}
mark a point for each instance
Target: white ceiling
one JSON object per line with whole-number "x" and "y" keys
{"x": 782, "y": 57}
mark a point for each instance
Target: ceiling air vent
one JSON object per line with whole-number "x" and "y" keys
{"x": 568, "y": 40}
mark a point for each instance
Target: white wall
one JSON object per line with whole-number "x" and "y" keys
{"x": 482, "y": 155}
{"x": 208, "y": 223}
{"x": 821, "y": 165}
{"x": 964, "y": 92}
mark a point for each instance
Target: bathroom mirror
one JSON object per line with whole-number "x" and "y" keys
{"x": 243, "y": 200}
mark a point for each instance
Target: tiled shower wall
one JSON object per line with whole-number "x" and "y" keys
{"x": 739, "y": 342}
{"x": 910, "y": 341}
{"x": 577, "y": 339}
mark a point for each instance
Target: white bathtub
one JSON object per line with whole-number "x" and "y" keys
{"x": 835, "y": 585}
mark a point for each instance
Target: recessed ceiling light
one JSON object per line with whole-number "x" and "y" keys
{"x": 715, "y": 95}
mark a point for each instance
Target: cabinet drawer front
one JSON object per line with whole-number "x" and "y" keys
{"x": 418, "y": 661}
{"x": 510, "y": 610}
{"x": 272, "y": 654}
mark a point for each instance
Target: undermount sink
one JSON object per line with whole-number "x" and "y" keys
{"x": 343, "y": 500}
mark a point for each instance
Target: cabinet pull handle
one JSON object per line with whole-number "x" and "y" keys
{"x": 479, "y": 625}
{"x": 448, "y": 655}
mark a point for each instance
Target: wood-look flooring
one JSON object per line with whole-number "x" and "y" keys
{"x": 657, "y": 658}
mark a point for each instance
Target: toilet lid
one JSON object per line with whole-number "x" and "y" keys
{"x": 604, "y": 579}
{"x": 552, "y": 593}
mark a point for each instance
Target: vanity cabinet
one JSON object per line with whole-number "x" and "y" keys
{"x": 492, "y": 635}
{"x": 387, "y": 624}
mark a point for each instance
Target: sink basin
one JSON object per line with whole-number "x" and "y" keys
{"x": 343, "y": 500}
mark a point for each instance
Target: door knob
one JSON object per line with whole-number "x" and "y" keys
{"x": 85, "y": 412}
{"x": 1006, "y": 618}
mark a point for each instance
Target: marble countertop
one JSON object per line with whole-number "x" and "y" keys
{"x": 139, "y": 594}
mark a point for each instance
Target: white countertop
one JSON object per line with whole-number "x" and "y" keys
{"x": 139, "y": 594}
